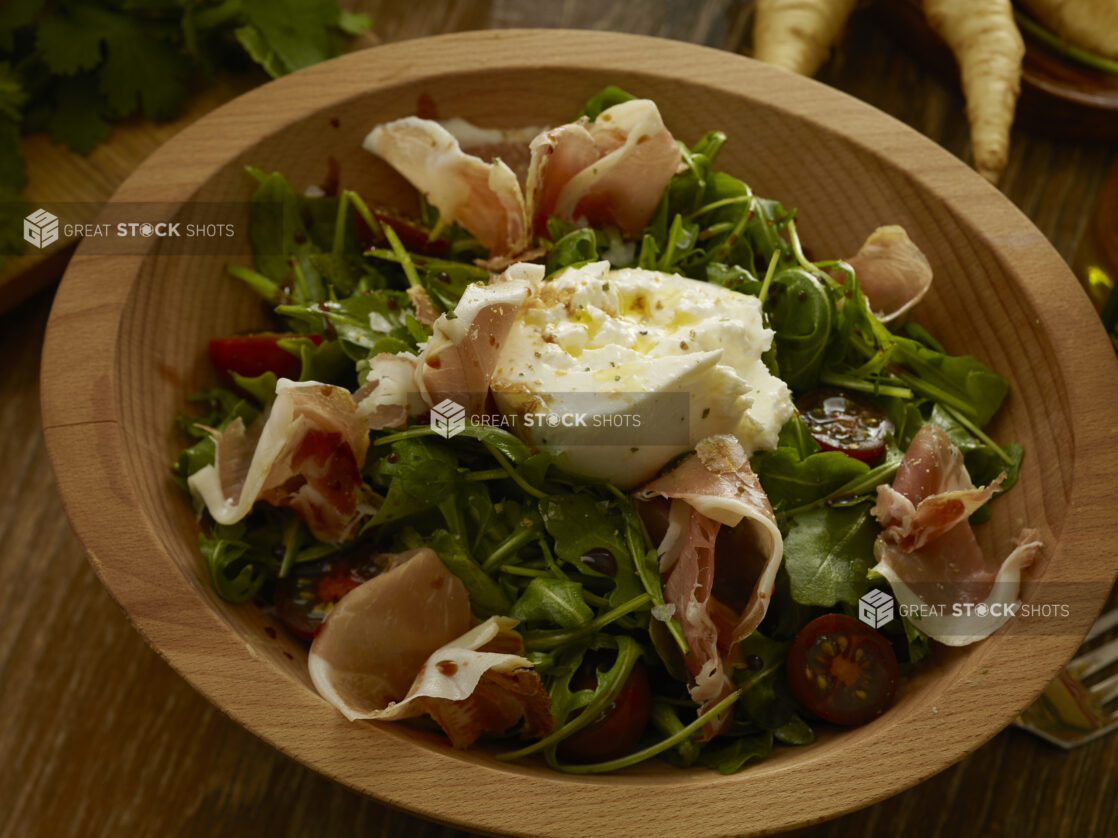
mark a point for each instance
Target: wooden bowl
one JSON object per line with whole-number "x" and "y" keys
{"x": 126, "y": 344}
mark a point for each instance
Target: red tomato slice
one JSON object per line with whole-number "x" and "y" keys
{"x": 253, "y": 355}
{"x": 414, "y": 236}
{"x": 841, "y": 421}
{"x": 842, "y": 670}
{"x": 303, "y": 599}
{"x": 620, "y": 727}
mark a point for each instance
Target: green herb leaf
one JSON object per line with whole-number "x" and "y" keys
{"x": 486, "y": 596}
{"x": 604, "y": 100}
{"x": 235, "y": 572}
{"x": 791, "y": 481}
{"x": 555, "y": 600}
{"x": 731, "y": 758}
{"x": 261, "y": 387}
{"x": 425, "y": 472}
{"x": 828, "y": 552}
{"x": 70, "y": 42}
{"x": 78, "y": 121}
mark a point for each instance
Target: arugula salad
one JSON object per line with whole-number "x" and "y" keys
{"x": 701, "y": 596}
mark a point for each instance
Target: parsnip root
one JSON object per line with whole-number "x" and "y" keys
{"x": 988, "y": 48}
{"x": 797, "y": 34}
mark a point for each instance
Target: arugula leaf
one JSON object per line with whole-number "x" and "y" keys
{"x": 422, "y": 473}
{"x": 326, "y": 361}
{"x": 766, "y": 700}
{"x": 555, "y": 600}
{"x": 734, "y": 277}
{"x": 580, "y": 523}
{"x": 499, "y": 438}
{"x": 795, "y": 732}
{"x": 486, "y": 596}
{"x": 361, "y": 320}
{"x": 792, "y": 481}
{"x": 974, "y": 388}
{"x": 802, "y": 313}
{"x": 828, "y": 553}
{"x": 729, "y": 759}
{"x": 578, "y": 247}
{"x": 261, "y": 387}
{"x": 603, "y": 100}
{"x": 665, "y": 720}
{"x": 236, "y": 570}
{"x": 281, "y": 243}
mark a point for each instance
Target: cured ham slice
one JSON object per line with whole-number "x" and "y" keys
{"x": 399, "y": 646}
{"x": 892, "y": 272}
{"x": 610, "y": 171}
{"x": 389, "y": 395}
{"x": 461, "y": 355}
{"x": 377, "y": 637}
{"x": 425, "y": 311}
{"x": 928, "y": 551}
{"x": 485, "y": 198}
{"x": 474, "y": 684}
{"x": 307, "y": 455}
{"x": 711, "y": 489}
{"x": 509, "y": 144}
{"x": 457, "y": 361}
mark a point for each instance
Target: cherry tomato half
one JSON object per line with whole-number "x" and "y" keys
{"x": 841, "y": 421}
{"x": 253, "y": 355}
{"x": 620, "y": 726}
{"x": 413, "y": 235}
{"x": 842, "y": 670}
{"x": 304, "y": 597}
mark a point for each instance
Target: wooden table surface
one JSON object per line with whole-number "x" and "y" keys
{"x": 101, "y": 738}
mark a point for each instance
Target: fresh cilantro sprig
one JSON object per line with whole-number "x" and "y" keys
{"x": 73, "y": 67}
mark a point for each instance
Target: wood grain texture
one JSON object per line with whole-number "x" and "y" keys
{"x": 96, "y": 719}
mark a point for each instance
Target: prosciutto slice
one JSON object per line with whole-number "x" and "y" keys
{"x": 456, "y": 362}
{"x": 892, "y": 272}
{"x": 476, "y": 684}
{"x": 610, "y": 171}
{"x": 307, "y": 455}
{"x": 400, "y": 645}
{"x": 509, "y": 144}
{"x": 928, "y": 551}
{"x": 485, "y": 198}
{"x": 377, "y": 637}
{"x": 459, "y": 358}
{"x": 711, "y": 489}
{"x": 389, "y": 395}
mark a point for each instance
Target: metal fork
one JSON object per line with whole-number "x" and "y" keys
{"x": 1070, "y": 712}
